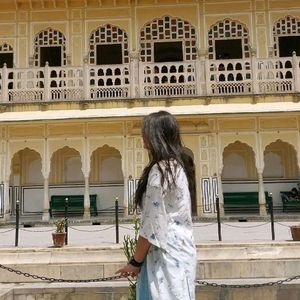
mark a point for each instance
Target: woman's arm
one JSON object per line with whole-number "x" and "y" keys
{"x": 141, "y": 251}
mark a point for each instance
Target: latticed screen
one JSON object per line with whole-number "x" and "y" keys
{"x": 167, "y": 29}
{"x": 49, "y": 37}
{"x": 108, "y": 35}
{"x": 228, "y": 29}
{"x": 286, "y": 27}
{"x": 6, "y": 55}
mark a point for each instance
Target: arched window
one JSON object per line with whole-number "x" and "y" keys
{"x": 6, "y": 55}
{"x": 286, "y": 34}
{"x": 108, "y": 45}
{"x": 50, "y": 46}
{"x": 228, "y": 39}
{"x": 168, "y": 39}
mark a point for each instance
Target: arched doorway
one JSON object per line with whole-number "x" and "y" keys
{"x": 106, "y": 177}
{"x": 26, "y": 178}
{"x": 239, "y": 175}
{"x": 66, "y": 167}
{"x": 281, "y": 170}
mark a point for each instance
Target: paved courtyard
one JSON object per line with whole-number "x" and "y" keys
{"x": 37, "y": 236}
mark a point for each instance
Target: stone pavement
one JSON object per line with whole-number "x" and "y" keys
{"x": 86, "y": 235}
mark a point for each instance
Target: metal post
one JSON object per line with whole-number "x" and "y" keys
{"x": 219, "y": 219}
{"x": 117, "y": 219}
{"x": 272, "y": 216}
{"x": 17, "y": 223}
{"x": 66, "y": 219}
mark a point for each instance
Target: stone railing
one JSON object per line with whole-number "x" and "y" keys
{"x": 151, "y": 80}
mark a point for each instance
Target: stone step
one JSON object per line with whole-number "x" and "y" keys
{"x": 215, "y": 261}
{"x": 118, "y": 290}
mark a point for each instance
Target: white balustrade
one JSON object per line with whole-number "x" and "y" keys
{"x": 151, "y": 80}
{"x": 66, "y": 83}
{"x": 168, "y": 79}
{"x": 275, "y": 75}
{"x": 230, "y": 76}
{"x": 109, "y": 81}
{"x": 24, "y": 85}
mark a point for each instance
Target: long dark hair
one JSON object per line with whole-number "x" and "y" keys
{"x": 161, "y": 136}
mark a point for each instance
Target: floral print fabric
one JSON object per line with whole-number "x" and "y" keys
{"x": 166, "y": 223}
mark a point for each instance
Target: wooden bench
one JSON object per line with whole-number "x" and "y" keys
{"x": 243, "y": 202}
{"x": 289, "y": 202}
{"x": 75, "y": 204}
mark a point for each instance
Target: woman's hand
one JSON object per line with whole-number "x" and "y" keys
{"x": 129, "y": 270}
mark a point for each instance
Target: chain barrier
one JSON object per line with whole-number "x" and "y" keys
{"x": 252, "y": 226}
{"x": 205, "y": 225}
{"x": 111, "y": 278}
{"x": 282, "y": 224}
{"x": 34, "y": 230}
{"x": 8, "y": 230}
{"x": 97, "y": 230}
{"x": 52, "y": 279}
{"x": 243, "y": 286}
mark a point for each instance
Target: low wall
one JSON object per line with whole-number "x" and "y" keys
{"x": 119, "y": 291}
{"x": 224, "y": 263}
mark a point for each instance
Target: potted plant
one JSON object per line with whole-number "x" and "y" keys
{"x": 59, "y": 236}
{"x": 129, "y": 249}
{"x": 295, "y": 231}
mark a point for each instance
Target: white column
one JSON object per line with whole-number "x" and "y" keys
{"x": 4, "y": 87}
{"x": 255, "y": 82}
{"x": 46, "y": 215}
{"x": 207, "y": 77}
{"x": 87, "y": 211}
{"x": 6, "y": 208}
{"x": 134, "y": 78}
{"x": 296, "y": 72}
{"x": 261, "y": 193}
{"x": 86, "y": 84}
{"x": 47, "y": 82}
{"x": 220, "y": 193}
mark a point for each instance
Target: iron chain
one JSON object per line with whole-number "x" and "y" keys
{"x": 111, "y": 278}
{"x": 51, "y": 279}
{"x": 243, "y": 286}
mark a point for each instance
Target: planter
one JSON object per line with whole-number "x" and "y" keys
{"x": 58, "y": 239}
{"x": 295, "y": 231}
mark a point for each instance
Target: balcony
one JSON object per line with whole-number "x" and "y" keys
{"x": 151, "y": 80}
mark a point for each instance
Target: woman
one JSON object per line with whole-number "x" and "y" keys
{"x": 165, "y": 256}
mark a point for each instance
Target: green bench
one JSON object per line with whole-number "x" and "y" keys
{"x": 289, "y": 203}
{"x": 243, "y": 202}
{"x": 75, "y": 204}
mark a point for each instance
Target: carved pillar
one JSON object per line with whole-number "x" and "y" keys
{"x": 261, "y": 193}
{"x": 86, "y": 173}
{"x": 220, "y": 190}
{"x": 6, "y": 209}
{"x": 46, "y": 215}
{"x": 134, "y": 78}
{"x": 87, "y": 212}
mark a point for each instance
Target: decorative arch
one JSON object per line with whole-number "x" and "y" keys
{"x": 108, "y": 34}
{"x": 168, "y": 28}
{"x": 287, "y": 26}
{"x": 280, "y": 160}
{"x": 106, "y": 165}
{"x": 49, "y": 37}
{"x": 5, "y": 47}
{"x": 22, "y": 167}
{"x": 228, "y": 29}
{"x": 6, "y": 55}
{"x": 66, "y": 166}
{"x": 239, "y": 161}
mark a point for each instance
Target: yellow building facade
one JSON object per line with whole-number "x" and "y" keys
{"x": 78, "y": 76}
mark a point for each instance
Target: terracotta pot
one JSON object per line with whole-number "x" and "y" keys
{"x": 295, "y": 231}
{"x": 58, "y": 239}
